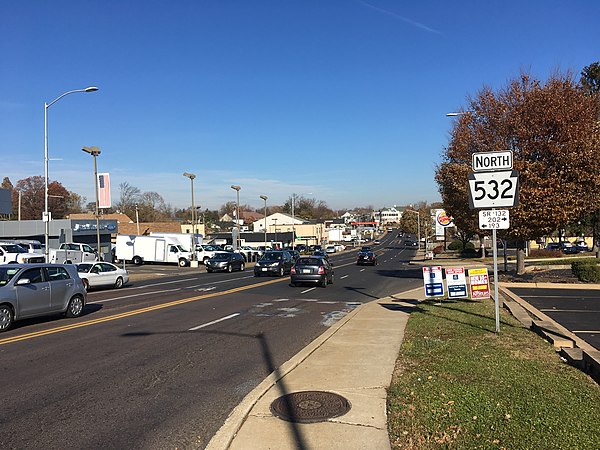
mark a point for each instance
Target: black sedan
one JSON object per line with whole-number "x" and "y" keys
{"x": 366, "y": 258}
{"x": 225, "y": 262}
{"x": 312, "y": 269}
{"x": 276, "y": 262}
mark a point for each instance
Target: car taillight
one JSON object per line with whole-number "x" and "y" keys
{"x": 293, "y": 272}
{"x": 321, "y": 270}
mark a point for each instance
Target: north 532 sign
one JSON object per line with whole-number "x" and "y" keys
{"x": 493, "y": 189}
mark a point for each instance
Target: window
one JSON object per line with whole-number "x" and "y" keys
{"x": 107, "y": 267}
{"x": 87, "y": 248}
{"x": 57, "y": 273}
{"x": 34, "y": 275}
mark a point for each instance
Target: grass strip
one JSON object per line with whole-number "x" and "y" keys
{"x": 459, "y": 385}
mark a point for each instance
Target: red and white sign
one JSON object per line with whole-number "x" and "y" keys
{"x": 480, "y": 283}
{"x": 457, "y": 282}
{"x": 103, "y": 190}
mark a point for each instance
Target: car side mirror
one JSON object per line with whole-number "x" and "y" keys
{"x": 23, "y": 281}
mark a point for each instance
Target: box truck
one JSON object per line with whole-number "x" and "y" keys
{"x": 147, "y": 249}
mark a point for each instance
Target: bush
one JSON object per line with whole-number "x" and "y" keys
{"x": 469, "y": 252}
{"x": 439, "y": 249}
{"x": 455, "y": 245}
{"x": 586, "y": 271}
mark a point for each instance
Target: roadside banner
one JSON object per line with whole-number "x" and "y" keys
{"x": 457, "y": 282}
{"x": 480, "y": 283}
{"x": 433, "y": 281}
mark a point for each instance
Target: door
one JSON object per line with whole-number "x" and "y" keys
{"x": 33, "y": 298}
{"x": 160, "y": 250}
{"x": 61, "y": 287}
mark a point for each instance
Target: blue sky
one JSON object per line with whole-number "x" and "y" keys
{"x": 343, "y": 99}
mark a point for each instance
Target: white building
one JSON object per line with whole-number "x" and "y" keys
{"x": 387, "y": 215}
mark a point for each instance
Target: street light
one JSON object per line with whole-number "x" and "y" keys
{"x": 264, "y": 197}
{"x": 95, "y": 151}
{"x": 191, "y": 176}
{"x": 237, "y": 215}
{"x": 46, "y": 217}
{"x": 137, "y": 219}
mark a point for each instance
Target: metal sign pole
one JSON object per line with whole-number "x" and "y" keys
{"x": 496, "y": 300}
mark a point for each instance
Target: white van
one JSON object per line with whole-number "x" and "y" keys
{"x": 145, "y": 249}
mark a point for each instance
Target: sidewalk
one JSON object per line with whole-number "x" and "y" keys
{"x": 355, "y": 359}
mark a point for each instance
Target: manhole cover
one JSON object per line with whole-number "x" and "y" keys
{"x": 310, "y": 406}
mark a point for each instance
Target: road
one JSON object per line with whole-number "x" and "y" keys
{"x": 578, "y": 310}
{"x": 163, "y": 361}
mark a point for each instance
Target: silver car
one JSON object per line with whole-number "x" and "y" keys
{"x": 33, "y": 290}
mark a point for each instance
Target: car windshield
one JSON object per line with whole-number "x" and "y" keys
{"x": 84, "y": 267}
{"x": 221, "y": 256}
{"x": 6, "y": 273}
{"x": 271, "y": 256}
{"x": 13, "y": 248}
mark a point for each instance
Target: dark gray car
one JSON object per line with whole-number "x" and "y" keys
{"x": 225, "y": 262}
{"x": 276, "y": 262}
{"x": 31, "y": 290}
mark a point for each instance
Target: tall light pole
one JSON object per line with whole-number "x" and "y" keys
{"x": 95, "y": 151}
{"x": 191, "y": 176}
{"x": 294, "y": 219}
{"x": 264, "y": 197}
{"x": 237, "y": 188}
{"x": 46, "y": 216}
{"x": 275, "y": 220}
{"x": 137, "y": 219}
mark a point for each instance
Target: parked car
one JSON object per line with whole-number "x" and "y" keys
{"x": 322, "y": 254}
{"x": 376, "y": 241}
{"x": 554, "y": 246}
{"x": 315, "y": 248}
{"x": 581, "y": 246}
{"x": 340, "y": 247}
{"x": 312, "y": 269}
{"x": 102, "y": 274}
{"x": 367, "y": 257}
{"x": 568, "y": 248}
{"x": 276, "y": 262}
{"x": 330, "y": 249}
{"x": 225, "y": 262}
{"x": 295, "y": 254}
{"x": 31, "y": 290}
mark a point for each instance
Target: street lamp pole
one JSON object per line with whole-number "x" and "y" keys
{"x": 46, "y": 217}
{"x": 137, "y": 219}
{"x": 95, "y": 151}
{"x": 237, "y": 216}
{"x": 191, "y": 176}
{"x": 264, "y": 197}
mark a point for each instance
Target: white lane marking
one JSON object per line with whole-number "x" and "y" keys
{"x": 558, "y": 296}
{"x": 586, "y": 331}
{"x": 230, "y": 316}
{"x": 166, "y": 282}
{"x": 211, "y": 288}
{"x": 362, "y": 270}
{"x": 345, "y": 276}
{"x": 569, "y": 310}
{"x": 133, "y": 295}
{"x": 308, "y": 290}
{"x": 327, "y": 303}
{"x": 218, "y": 282}
{"x": 282, "y": 300}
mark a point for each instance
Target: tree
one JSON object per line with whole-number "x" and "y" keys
{"x": 551, "y": 129}
{"x": 128, "y": 197}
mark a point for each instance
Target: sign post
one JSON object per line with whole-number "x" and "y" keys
{"x": 493, "y": 184}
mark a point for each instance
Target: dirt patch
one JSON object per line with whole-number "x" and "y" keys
{"x": 541, "y": 276}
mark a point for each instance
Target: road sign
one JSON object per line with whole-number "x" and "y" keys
{"x": 433, "y": 281}
{"x": 490, "y": 219}
{"x": 456, "y": 281}
{"x": 493, "y": 189}
{"x": 480, "y": 283}
{"x": 492, "y": 161}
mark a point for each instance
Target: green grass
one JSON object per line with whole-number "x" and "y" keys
{"x": 564, "y": 261}
{"x": 459, "y": 385}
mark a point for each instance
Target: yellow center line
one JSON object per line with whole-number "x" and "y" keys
{"x": 135, "y": 312}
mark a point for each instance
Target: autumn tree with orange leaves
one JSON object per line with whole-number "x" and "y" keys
{"x": 552, "y": 129}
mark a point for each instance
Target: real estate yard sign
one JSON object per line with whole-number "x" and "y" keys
{"x": 480, "y": 283}
{"x": 457, "y": 282}
{"x": 433, "y": 281}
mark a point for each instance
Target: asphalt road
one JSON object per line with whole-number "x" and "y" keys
{"x": 163, "y": 361}
{"x": 578, "y": 310}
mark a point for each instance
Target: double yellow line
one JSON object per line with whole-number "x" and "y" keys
{"x": 135, "y": 312}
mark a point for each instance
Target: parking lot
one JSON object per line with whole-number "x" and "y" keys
{"x": 578, "y": 310}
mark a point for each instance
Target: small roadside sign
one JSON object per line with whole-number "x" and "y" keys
{"x": 433, "y": 281}
{"x": 457, "y": 282}
{"x": 480, "y": 283}
{"x": 492, "y": 161}
{"x": 493, "y": 189}
{"x": 490, "y": 219}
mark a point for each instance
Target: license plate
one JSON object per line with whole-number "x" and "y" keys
{"x": 264, "y": 269}
{"x": 305, "y": 270}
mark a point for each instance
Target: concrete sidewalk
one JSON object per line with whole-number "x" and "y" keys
{"x": 355, "y": 358}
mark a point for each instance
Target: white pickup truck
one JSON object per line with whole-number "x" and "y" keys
{"x": 72, "y": 253}
{"x": 13, "y": 253}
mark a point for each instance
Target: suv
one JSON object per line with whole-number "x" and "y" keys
{"x": 277, "y": 262}
{"x": 39, "y": 290}
{"x": 225, "y": 261}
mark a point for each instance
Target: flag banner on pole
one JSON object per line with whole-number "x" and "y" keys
{"x": 104, "y": 190}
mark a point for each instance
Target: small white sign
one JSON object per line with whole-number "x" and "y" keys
{"x": 494, "y": 219}
{"x": 493, "y": 189}
{"x": 457, "y": 282}
{"x": 492, "y": 161}
{"x": 433, "y": 281}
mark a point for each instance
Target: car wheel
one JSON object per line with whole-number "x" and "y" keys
{"x": 256, "y": 274}
{"x": 68, "y": 261}
{"x": 119, "y": 283}
{"x": 229, "y": 268}
{"x": 242, "y": 267}
{"x": 75, "y": 307}
{"x": 281, "y": 271}
{"x": 86, "y": 284}
{"x": 183, "y": 262}
{"x": 6, "y": 317}
{"x": 137, "y": 261}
